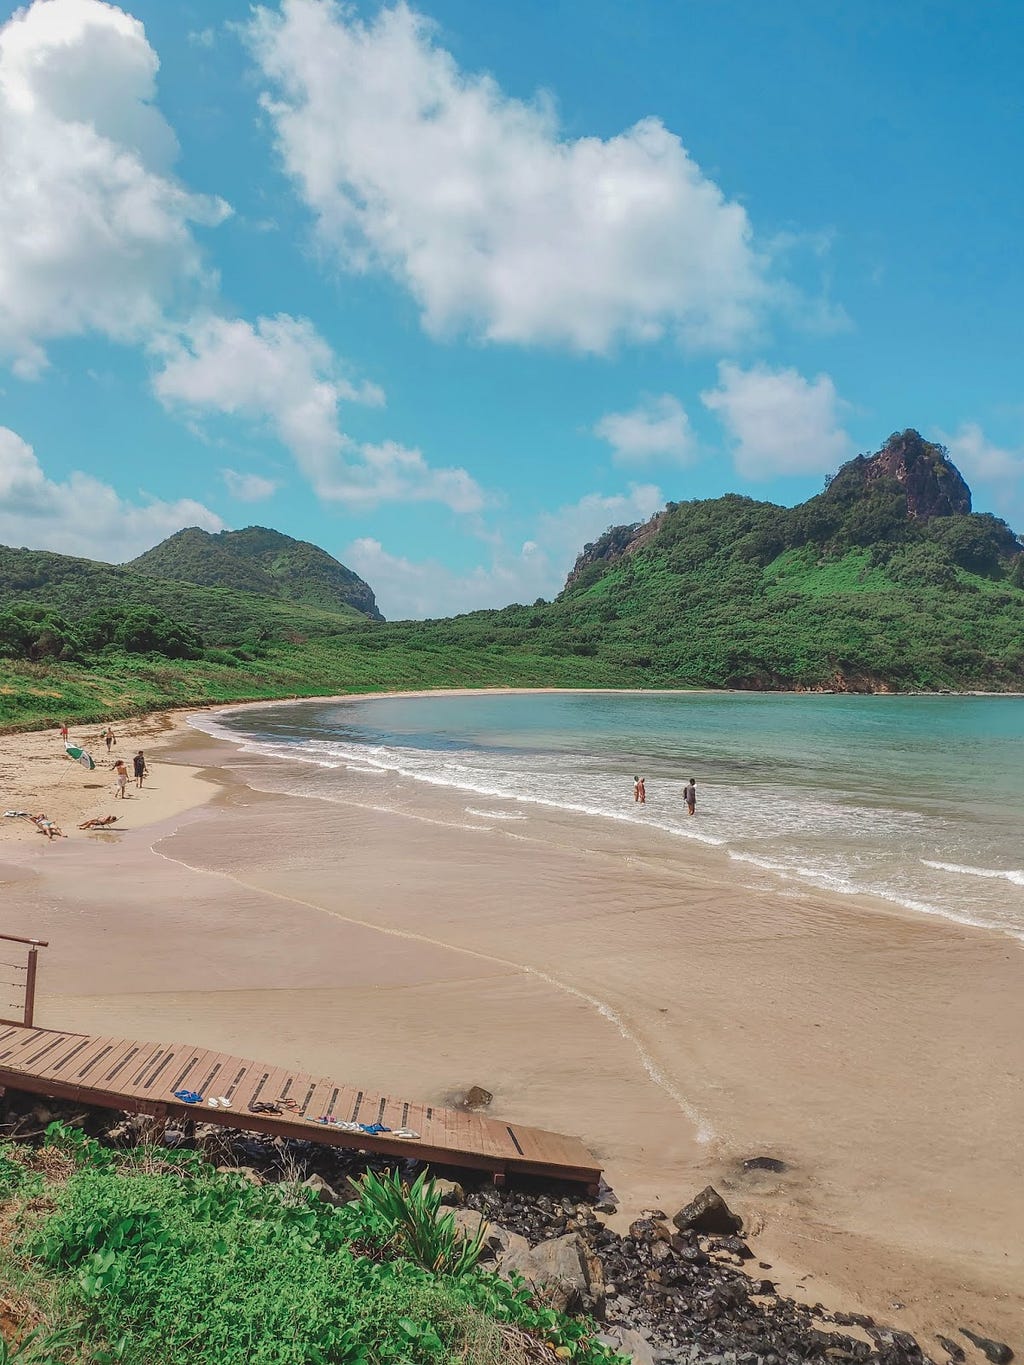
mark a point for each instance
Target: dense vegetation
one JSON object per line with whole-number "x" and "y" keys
{"x": 262, "y": 561}
{"x": 847, "y": 590}
{"x": 150, "y": 1257}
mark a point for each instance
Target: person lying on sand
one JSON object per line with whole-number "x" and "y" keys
{"x": 98, "y": 822}
{"x": 47, "y": 827}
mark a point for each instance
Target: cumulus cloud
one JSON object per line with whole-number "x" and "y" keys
{"x": 981, "y": 460}
{"x": 779, "y": 422}
{"x": 414, "y": 589}
{"x": 280, "y": 372}
{"x": 82, "y": 515}
{"x": 248, "y": 487}
{"x": 477, "y": 203}
{"x": 95, "y": 232}
{"x": 657, "y": 429}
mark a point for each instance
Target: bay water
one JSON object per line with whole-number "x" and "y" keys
{"x": 915, "y": 799}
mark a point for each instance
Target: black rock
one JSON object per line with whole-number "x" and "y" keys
{"x": 951, "y": 1348}
{"x": 765, "y": 1163}
{"x": 996, "y": 1351}
{"x": 737, "y": 1246}
{"x": 708, "y": 1213}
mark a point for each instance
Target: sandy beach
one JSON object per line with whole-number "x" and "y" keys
{"x": 37, "y": 776}
{"x": 597, "y": 981}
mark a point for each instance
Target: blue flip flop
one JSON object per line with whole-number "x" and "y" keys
{"x": 188, "y": 1096}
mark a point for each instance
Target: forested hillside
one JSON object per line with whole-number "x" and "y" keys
{"x": 261, "y": 561}
{"x": 884, "y": 581}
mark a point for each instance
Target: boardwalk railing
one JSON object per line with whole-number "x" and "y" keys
{"x": 24, "y": 980}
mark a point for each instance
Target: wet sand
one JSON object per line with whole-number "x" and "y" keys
{"x": 598, "y": 980}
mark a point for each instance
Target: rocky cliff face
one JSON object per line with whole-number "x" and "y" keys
{"x": 933, "y": 485}
{"x": 616, "y": 543}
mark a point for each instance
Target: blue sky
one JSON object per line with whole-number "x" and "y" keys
{"x": 448, "y": 290}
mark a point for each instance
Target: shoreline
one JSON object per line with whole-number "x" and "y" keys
{"x": 140, "y": 719}
{"x": 300, "y": 946}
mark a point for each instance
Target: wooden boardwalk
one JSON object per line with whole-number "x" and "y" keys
{"x": 141, "y": 1078}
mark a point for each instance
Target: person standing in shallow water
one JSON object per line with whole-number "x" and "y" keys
{"x": 640, "y": 790}
{"x": 690, "y": 797}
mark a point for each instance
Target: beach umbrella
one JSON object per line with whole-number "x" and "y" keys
{"x": 79, "y": 755}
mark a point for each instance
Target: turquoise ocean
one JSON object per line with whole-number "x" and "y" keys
{"x": 917, "y": 800}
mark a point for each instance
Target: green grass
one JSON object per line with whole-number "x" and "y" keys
{"x": 149, "y": 1258}
{"x": 805, "y": 572}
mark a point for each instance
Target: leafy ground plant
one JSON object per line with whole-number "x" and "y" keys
{"x": 413, "y": 1212}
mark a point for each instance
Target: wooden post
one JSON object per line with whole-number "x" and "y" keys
{"x": 30, "y": 985}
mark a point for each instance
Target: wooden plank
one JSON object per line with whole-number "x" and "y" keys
{"x": 23, "y": 1042}
{"x": 66, "y": 1060}
{"x": 181, "y": 1075}
{"x": 30, "y": 1057}
{"x": 150, "y": 1068}
{"x": 211, "y": 1074}
{"x": 236, "y": 1076}
{"x": 248, "y": 1085}
{"x": 96, "y": 1069}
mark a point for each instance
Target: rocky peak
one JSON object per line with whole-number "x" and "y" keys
{"x": 933, "y": 485}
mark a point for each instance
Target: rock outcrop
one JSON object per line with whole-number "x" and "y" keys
{"x": 618, "y": 542}
{"x": 933, "y": 485}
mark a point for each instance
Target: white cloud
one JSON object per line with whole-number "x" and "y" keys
{"x": 280, "y": 371}
{"x": 478, "y": 204}
{"x": 415, "y": 589}
{"x": 95, "y": 233}
{"x": 657, "y": 429}
{"x": 974, "y": 454}
{"x": 248, "y": 487}
{"x": 980, "y": 459}
{"x": 82, "y": 516}
{"x": 779, "y": 422}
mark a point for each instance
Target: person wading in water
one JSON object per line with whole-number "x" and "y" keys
{"x": 690, "y": 797}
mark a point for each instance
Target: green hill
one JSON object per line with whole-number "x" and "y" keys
{"x": 885, "y": 581}
{"x": 261, "y": 561}
{"x": 221, "y": 616}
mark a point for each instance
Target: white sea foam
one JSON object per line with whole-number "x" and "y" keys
{"x": 494, "y": 814}
{"x": 1014, "y": 875}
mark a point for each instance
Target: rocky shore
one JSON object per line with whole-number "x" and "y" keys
{"x": 679, "y": 1289}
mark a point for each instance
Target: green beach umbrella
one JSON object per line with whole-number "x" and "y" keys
{"x": 79, "y": 755}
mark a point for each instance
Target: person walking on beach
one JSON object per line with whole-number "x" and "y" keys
{"x": 139, "y": 764}
{"x": 121, "y": 773}
{"x": 690, "y": 797}
{"x": 64, "y": 731}
{"x": 108, "y": 735}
